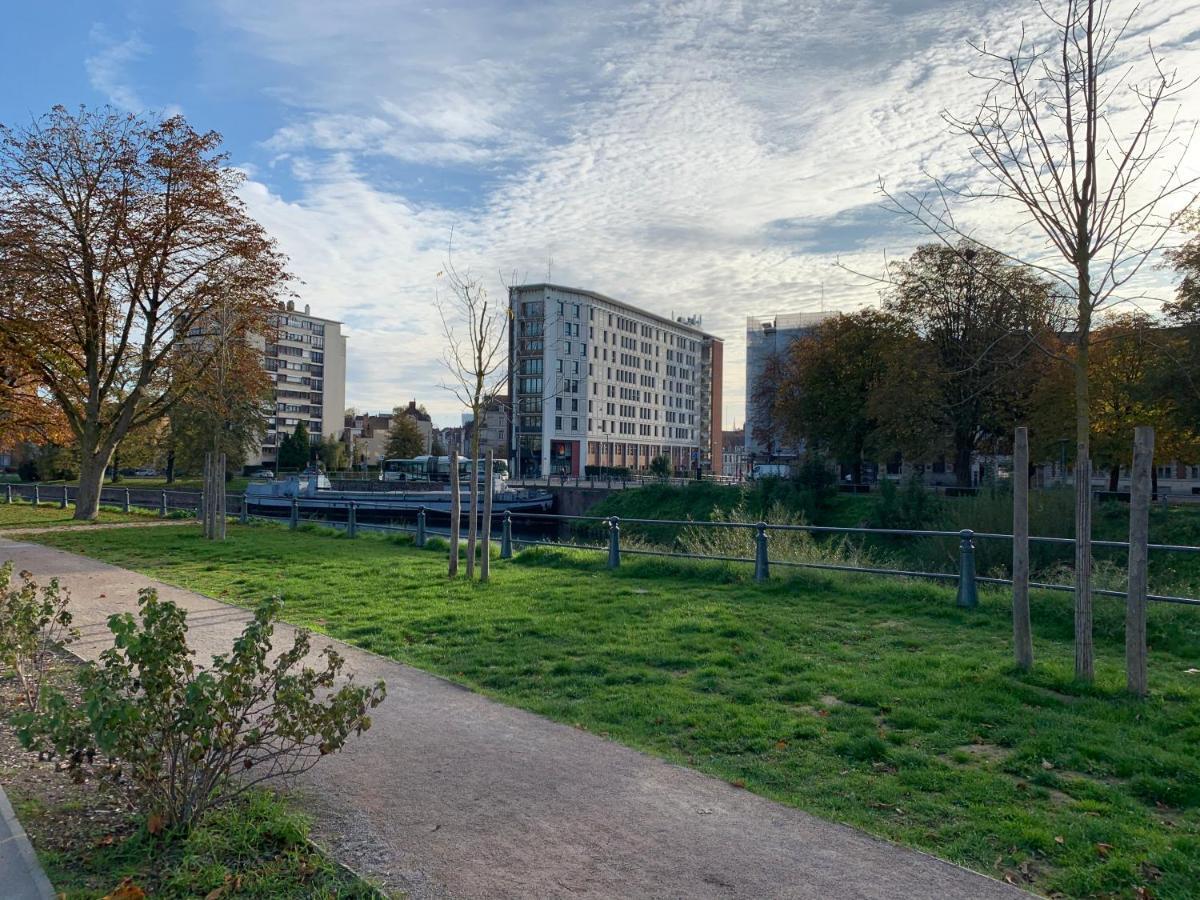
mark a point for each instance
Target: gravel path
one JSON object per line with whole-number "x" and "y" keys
{"x": 453, "y": 795}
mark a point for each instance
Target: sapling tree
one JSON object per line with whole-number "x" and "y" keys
{"x": 476, "y": 356}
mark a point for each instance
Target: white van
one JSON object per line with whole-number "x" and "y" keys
{"x": 770, "y": 470}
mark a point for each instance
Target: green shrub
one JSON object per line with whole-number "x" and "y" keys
{"x": 182, "y": 739}
{"x": 660, "y": 467}
{"x": 34, "y": 624}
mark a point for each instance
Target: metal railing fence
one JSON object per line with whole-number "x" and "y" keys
{"x": 316, "y": 511}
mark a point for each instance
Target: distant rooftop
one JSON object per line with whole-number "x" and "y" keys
{"x": 685, "y": 324}
{"x": 786, "y": 321}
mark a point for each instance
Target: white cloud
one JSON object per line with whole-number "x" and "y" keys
{"x": 694, "y": 156}
{"x": 107, "y": 68}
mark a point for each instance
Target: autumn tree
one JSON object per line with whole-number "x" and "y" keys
{"x": 1131, "y": 361}
{"x": 975, "y": 314}
{"x": 227, "y": 409}
{"x": 404, "y": 437}
{"x": 828, "y": 379}
{"x": 1074, "y": 140}
{"x": 1183, "y": 315}
{"x": 119, "y": 235}
{"x": 766, "y": 428}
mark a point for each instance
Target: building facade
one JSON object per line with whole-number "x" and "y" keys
{"x": 307, "y": 362}
{"x": 597, "y": 383}
{"x": 494, "y": 434}
{"x": 733, "y": 454}
{"x": 768, "y": 338}
{"x": 366, "y": 435}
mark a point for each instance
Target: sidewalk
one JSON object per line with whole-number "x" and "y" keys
{"x": 20, "y": 872}
{"x": 453, "y": 795}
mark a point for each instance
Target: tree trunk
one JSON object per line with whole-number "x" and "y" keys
{"x": 1084, "y": 651}
{"x": 1114, "y": 477}
{"x": 485, "y": 561}
{"x": 455, "y": 514}
{"x": 170, "y": 467}
{"x": 1139, "y": 535}
{"x": 963, "y": 449}
{"x": 91, "y": 480}
{"x": 473, "y": 524}
{"x": 116, "y": 465}
{"x": 1022, "y": 631}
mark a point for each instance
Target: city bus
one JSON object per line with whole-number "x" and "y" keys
{"x": 436, "y": 468}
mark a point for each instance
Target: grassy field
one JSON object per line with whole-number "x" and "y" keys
{"x": 875, "y": 703}
{"x": 24, "y": 515}
{"x": 236, "y": 485}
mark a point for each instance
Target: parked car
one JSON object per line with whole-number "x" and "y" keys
{"x": 262, "y": 473}
{"x": 144, "y": 472}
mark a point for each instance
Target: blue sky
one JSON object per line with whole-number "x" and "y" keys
{"x": 692, "y": 156}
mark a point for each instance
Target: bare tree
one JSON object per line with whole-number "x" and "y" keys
{"x": 476, "y": 356}
{"x": 1098, "y": 184}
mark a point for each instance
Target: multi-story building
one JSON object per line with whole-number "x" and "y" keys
{"x": 733, "y": 453}
{"x": 767, "y": 339}
{"x": 307, "y": 361}
{"x": 599, "y": 383}
{"x": 494, "y": 434}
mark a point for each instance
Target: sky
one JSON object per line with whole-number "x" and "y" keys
{"x": 719, "y": 158}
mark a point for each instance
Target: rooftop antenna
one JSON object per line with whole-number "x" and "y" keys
{"x": 549, "y": 264}
{"x": 822, "y": 298}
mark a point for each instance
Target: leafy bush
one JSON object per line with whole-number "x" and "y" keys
{"x": 914, "y": 507}
{"x": 33, "y": 625}
{"x": 182, "y": 739}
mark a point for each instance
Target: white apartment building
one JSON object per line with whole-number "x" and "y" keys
{"x": 599, "y": 383}
{"x": 307, "y": 362}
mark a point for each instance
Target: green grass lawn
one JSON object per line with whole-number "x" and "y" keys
{"x": 872, "y": 702}
{"x": 47, "y": 514}
{"x": 235, "y": 485}
{"x": 254, "y": 847}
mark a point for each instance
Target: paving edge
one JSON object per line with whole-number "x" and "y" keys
{"x": 33, "y": 881}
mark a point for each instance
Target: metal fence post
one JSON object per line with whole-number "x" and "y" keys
{"x": 37, "y": 494}
{"x": 762, "y": 569}
{"x": 162, "y": 505}
{"x": 352, "y": 520}
{"x": 420, "y": 539}
{"x": 62, "y": 504}
{"x": 968, "y": 596}
{"x": 8, "y": 493}
{"x": 294, "y": 519}
{"x": 506, "y": 536}
{"x": 614, "y": 542}
{"x": 244, "y": 518}
{"x": 125, "y": 501}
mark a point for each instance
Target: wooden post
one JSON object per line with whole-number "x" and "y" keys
{"x": 473, "y": 518}
{"x": 485, "y": 563}
{"x": 455, "y": 512}
{"x": 1084, "y": 648}
{"x": 1139, "y": 537}
{"x": 1022, "y": 633}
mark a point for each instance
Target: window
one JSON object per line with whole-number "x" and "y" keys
{"x": 558, "y": 423}
{"x": 574, "y": 424}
